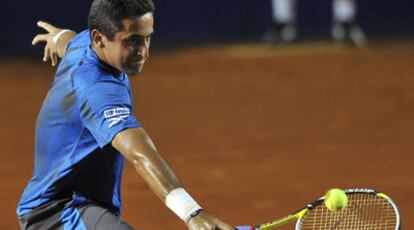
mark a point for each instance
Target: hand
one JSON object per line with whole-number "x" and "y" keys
{"x": 205, "y": 221}
{"x": 53, "y": 49}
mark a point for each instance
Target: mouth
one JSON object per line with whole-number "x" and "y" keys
{"x": 138, "y": 61}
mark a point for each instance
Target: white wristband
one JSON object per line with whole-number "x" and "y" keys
{"x": 182, "y": 204}
{"x": 58, "y": 35}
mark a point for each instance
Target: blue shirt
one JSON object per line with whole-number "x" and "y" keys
{"x": 88, "y": 104}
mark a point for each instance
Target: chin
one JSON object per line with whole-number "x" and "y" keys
{"x": 134, "y": 71}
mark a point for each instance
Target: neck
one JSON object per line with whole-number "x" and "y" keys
{"x": 104, "y": 61}
{"x": 99, "y": 52}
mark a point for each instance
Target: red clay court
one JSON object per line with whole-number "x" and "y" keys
{"x": 253, "y": 133}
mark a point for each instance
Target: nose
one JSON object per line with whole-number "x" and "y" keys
{"x": 142, "y": 52}
{"x": 139, "y": 55}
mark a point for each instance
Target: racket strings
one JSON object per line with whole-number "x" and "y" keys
{"x": 364, "y": 211}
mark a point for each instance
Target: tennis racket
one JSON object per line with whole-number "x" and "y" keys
{"x": 366, "y": 209}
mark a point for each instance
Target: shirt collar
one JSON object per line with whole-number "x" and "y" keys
{"x": 93, "y": 57}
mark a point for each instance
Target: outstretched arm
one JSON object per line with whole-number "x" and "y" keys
{"x": 56, "y": 39}
{"x": 138, "y": 149}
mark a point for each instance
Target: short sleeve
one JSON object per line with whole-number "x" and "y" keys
{"x": 105, "y": 110}
{"x": 81, "y": 40}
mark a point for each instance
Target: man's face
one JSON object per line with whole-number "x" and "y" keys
{"x": 129, "y": 49}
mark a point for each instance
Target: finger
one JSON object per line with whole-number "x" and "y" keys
{"x": 49, "y": 28}
{"x": 54, "y": 59}
{"x": 223, "y": 226}
{"x": 46, "y": 54}
{"x": 40, "y": 38}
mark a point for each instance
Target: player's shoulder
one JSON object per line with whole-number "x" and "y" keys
{"x": 81, "y": 40}
{"x": 90, "y": 70}
{"x": 88, "y": 74}
{"x": 90, "y": 77}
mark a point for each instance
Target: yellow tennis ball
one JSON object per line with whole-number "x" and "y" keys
{"x": 335, "y": 199}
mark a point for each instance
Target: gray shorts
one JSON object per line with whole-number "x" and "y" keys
{"x": 66, "y": 214}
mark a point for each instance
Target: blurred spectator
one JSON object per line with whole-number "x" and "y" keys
{"x": 344, "y": 29}
{"x": 283, "y": 24}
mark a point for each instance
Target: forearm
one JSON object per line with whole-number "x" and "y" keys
{"x": 139, "y": 150}
{"x": 156, "y": 173}
{"x": 165, "y": 185}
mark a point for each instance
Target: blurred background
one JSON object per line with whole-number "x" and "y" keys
{"x": 255, "y": 126}
{"x": 189, "y": 22}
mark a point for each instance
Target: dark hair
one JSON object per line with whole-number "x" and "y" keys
{"x": 107, "y": 15}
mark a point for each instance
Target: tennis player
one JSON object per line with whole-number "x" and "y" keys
{"x": 283, "y": 28}
{"x": 345, "y": 28}
{"x": 86, "y": 127}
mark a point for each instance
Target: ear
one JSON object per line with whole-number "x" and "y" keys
{"x": 98, "y": 38}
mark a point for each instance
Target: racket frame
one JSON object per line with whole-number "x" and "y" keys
{"x": 300, "y": 214}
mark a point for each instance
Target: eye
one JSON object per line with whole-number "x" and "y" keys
{"x": 134, "y": 41}
{"x": 138, "y": 40}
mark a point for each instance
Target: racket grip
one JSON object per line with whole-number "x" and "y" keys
{"x": 244, "y": 227}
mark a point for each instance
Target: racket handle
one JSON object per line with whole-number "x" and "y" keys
{"x": 244, "y": 227}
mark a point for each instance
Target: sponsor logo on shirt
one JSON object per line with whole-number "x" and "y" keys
{"x": 116, "y": 115}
